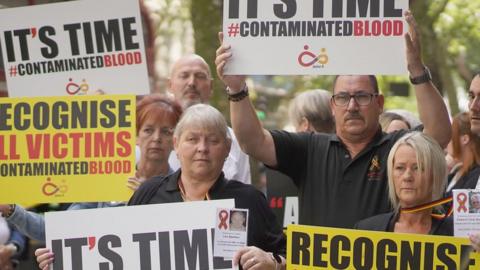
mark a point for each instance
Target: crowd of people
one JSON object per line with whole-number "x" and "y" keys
{"x": 355, "y": 165}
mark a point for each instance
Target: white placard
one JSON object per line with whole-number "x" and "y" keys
{"x": 160, "y": 236}
{"x": 315, "y": 37}
{"x": 466, "y": 212}
{"x": 230, "y": 231}
{"x": 74, "y": 47}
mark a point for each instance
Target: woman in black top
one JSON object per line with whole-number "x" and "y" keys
{"x": 202, "y": 143}
{"x": 416, "y": 175}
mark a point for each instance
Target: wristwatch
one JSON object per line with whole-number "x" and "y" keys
{"x": 243, "y": 93}
{"x": 425, "y": 77}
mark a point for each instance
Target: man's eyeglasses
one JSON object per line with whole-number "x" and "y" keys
{"x": 362, "y": 99}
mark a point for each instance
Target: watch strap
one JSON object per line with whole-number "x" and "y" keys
{"x": 243, "y": 93}
{"x": 425, "y": 77}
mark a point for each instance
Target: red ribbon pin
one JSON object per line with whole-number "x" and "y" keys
{"x": 462, "y": 201}
{"x": 223, "y": 215}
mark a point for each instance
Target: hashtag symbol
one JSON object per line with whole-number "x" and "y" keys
{"x": 233, "y": 29}
{"x": 13, "y": 71}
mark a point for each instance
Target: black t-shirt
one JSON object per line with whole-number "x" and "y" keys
{"x": 263, "y": 230}
{"x": 334, "y": 189}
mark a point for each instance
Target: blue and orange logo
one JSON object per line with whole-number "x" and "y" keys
{"x": 309, "y": 59}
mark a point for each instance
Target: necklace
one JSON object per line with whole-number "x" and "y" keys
{"x": 184, "y": 194}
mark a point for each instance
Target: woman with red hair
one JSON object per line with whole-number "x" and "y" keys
{"x": 157, "y": 116}
{"x": 464, "y": 148}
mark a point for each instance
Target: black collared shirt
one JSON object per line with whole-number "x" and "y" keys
{"x": 334, "y": 189}
{"x": 263, "y": 230}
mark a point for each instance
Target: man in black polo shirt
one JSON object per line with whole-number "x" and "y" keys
{"x": 342, "y": 177}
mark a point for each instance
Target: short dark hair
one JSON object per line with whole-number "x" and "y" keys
{"x": 373, "y": 82}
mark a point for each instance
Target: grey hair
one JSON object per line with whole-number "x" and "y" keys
{"x": 431, "y": 163}
{"x": 386, "y": 118}
{"x": 475, "y": 195}
{"x": 202, "y": 116}
{"x": 314, "y": 105}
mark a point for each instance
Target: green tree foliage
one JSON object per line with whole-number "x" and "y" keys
{"x": 459, "y": 25}
{"x": 450, "y": 39}
{"x": 207, "y": 22}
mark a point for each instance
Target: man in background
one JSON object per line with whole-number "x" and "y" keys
{"x": 191, "y": 83}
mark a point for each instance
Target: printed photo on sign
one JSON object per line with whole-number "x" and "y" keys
{"x": 80, "y": 50}
{"x": 326, "y": 37}
{"x": 230, "y": 232}
{"x": 466, "y": 212}
{"x": 474, "y": 199}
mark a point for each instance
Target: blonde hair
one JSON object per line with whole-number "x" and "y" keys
{"x": 430, "y": 160}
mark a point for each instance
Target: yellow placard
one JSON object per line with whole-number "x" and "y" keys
{"x": 66, "y": 149}
{"x": 311, "y": 247}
